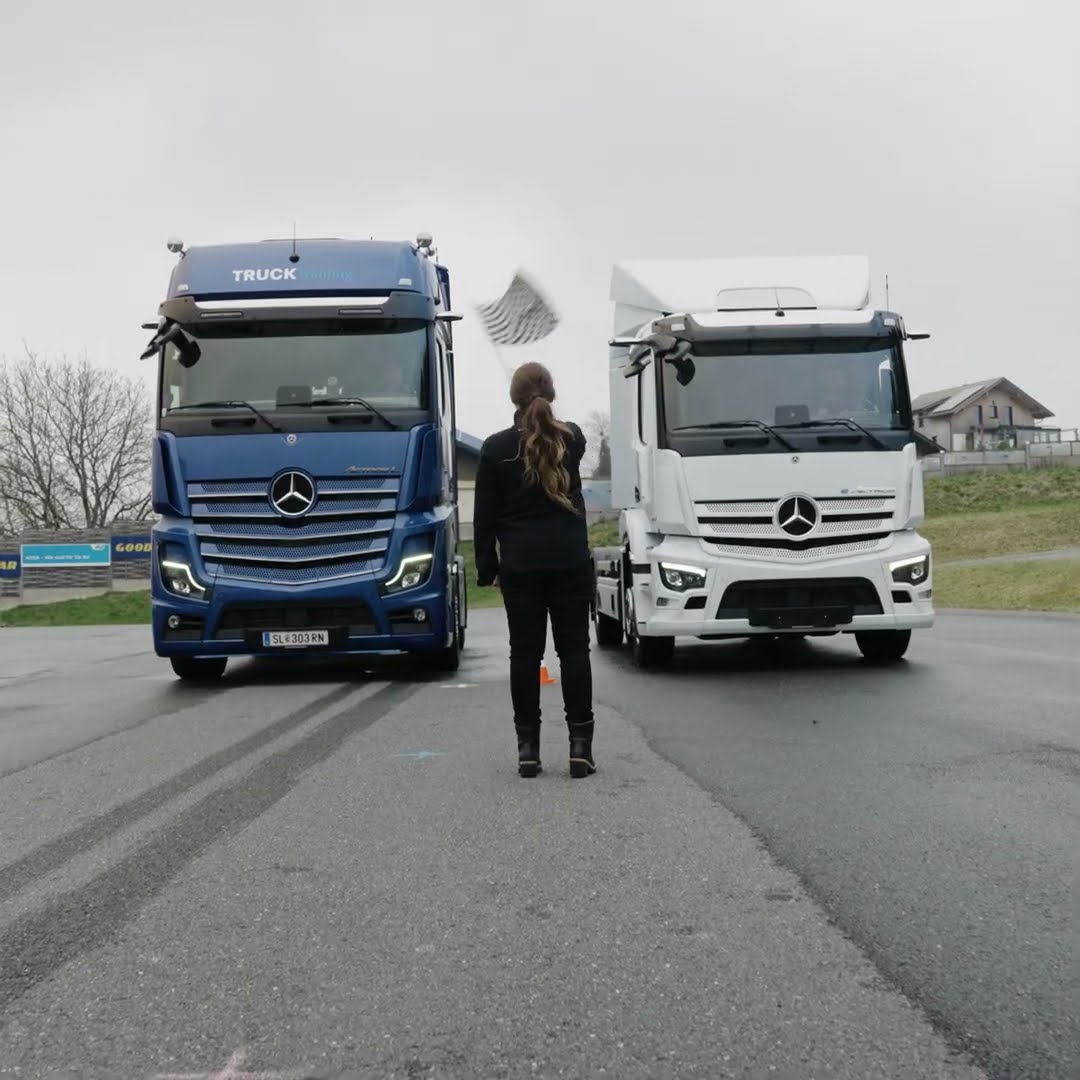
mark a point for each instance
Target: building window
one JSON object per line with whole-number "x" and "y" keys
{"x": 1009, "y": 415}
{"x": 979, "y": 415}
{"x": 993, "y": 412}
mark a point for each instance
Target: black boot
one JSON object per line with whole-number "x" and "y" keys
{"x": 581, "y": 756}
{"x": 528, "y": 740}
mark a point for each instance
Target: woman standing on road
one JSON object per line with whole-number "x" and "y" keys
{"x": 532, "y": 541}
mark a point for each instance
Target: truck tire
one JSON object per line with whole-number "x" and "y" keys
{"x": 609, "y": 631}
{"x": 445, "y": 660}
{"x": 449, "y": 658}
{"x": 462, "y": 614}
{"x": 883, "y": 646}
{"x": 198, "y": 669}
{"x": 648, "y": 652}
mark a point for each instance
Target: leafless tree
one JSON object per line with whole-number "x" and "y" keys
{"x": 598, "y": 456}
{"x": 74, "y": 444}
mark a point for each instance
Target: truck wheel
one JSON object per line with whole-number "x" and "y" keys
{"x": 445, "y": 660}
{"x": 461, "y": 613}
{"x": 198, "y": 669}
{"x": 609, "y": 631}
{"x": 649, "y": 652}
{"x": 653, "y": 652}
{"x": 449, "y": 658}
{"x": 883, "y": 646}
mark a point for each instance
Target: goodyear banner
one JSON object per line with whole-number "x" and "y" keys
{"x": 52, "y": 555}
{"x": 129, "y": 548}
{"x": 9, "y": 565}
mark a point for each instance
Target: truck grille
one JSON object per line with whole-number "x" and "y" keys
{"x": 753, "y": 525}
{"x": 241, "y": 535}
{"x": 769, "y": 549}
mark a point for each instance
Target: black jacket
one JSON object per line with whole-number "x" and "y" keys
{"x": 532, "y": 532}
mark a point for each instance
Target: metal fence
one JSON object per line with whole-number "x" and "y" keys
{"x": 1033, "y": 456}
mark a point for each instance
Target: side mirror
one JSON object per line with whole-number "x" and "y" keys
{"x": 679, "y": 358}
{"x": 172, "y": 332}
{"x": 448, "y": 316}
{"x": 639, "y": 360}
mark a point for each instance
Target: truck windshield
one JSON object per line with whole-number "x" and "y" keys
{"x": 275, "y": 366}
{"x": 785, "y": 385}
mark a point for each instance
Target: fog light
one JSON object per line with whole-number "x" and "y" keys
{"x": 174, "y": 622}
{"x": 419, "y": 614}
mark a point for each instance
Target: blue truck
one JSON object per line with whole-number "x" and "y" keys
{"x": 304, "y": 466}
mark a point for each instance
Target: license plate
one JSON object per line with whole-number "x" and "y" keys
{"x": 295, "y": 639}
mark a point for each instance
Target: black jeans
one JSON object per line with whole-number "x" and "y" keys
{"x": 529, "y": 598}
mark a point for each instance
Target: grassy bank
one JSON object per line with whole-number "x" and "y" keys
{"x": 980, "y": 493}
{"x": 1015, "y": 513}
{"x": 984, "y": 514}
{"x": 1019, "y": 586}
{"x": 109, "y": 609}
{"x": 1018, "y": 531}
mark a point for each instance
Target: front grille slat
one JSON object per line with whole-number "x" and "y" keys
{"x": 241, "y": 536}
{"x": 293, "y": 575}
{"x": 826, "y": 528}
{"x": 292, "y": 556}
{"x": 261, "y": 508}
{"x": 795, "y": 551}
{"x": 287, "y": 534}
{"x": 847, "y": 520}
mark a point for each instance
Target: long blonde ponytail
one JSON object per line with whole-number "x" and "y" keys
{"x": 543, "y": 437}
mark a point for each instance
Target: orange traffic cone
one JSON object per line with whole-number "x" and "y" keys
{"x": 545, "y": 675}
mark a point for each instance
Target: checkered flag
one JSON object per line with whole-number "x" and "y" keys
{"x": 520, "y": 316}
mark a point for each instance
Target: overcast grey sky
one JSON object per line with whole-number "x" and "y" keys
{"x": 938, "y": 138}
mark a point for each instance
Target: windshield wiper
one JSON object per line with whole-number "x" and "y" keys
{"x": 834, "y": 421}
{"x": 229, "y": 405}
{"x": 329, "y": 403}
{"x": 737, "y": 424}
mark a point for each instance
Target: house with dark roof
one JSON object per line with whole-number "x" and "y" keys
{"x": 987, "y": 415}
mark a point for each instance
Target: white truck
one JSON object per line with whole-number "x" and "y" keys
{"x": 764, "y": 461}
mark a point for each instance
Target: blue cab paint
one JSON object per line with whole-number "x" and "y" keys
{"x": 304, "y": 473}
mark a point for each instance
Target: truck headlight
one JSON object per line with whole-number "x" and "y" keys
{"x": 911, "y": 571}
{"x": 177, "y": 575}
{"x": 680, "y": 578}
{"x": 412, "y": 571}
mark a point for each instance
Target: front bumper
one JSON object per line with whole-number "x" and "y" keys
{"x": 359, "y": 619}
{"x": 747, "y": 596}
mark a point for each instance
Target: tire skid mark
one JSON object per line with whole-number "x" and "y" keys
{"x": 51, "y": 855}
{"x": 36, "y": 945}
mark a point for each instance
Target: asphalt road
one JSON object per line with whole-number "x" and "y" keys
{"x": 787, "y": 866}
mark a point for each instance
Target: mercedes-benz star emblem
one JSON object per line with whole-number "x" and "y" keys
{"x": 797, "y": 515}
{"x": 292, "y": 494}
